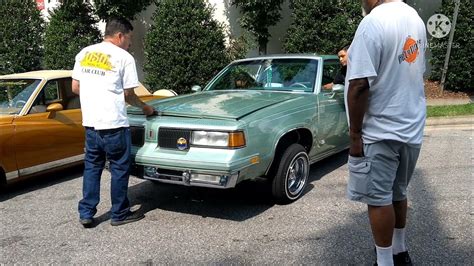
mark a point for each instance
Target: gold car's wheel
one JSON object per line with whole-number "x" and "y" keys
{"x": 292, "y": 175}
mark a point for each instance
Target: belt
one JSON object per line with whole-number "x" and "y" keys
{"x": 106, "y": 131}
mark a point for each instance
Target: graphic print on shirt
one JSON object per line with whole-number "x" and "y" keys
{"x": 96, "y": 63}
{"x": 411, "y": 50}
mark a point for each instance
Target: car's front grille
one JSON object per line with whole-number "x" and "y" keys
{"x": 170, "y": 174}
{"x": 138, "y": 135}
{"x": 172, "y": 138}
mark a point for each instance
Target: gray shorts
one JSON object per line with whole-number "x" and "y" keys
{"x": 382, "y": 176}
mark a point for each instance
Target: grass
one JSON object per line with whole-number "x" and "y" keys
{"x": 451, "y": 110}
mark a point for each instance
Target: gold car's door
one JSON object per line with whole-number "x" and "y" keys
{"x": 46, "y": 139}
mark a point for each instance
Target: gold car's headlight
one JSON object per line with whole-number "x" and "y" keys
{"x": 218, "y": 139}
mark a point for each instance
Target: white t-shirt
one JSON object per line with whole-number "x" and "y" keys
{"x": 104, "y": 70}
{"x": 389, "y": 50}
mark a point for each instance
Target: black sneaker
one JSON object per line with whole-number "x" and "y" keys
{"x": 131, "y": 217}
{"x": 402, "y": 259}
{"x": 87, "y": 222}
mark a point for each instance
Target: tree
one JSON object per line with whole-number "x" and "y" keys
{"x": 21, "y": 36}
{"x": 460, "y": 76}
{"x": 238, "y": 47}
{"x": 71, "y": 28}
{"x": 120, "y": 8}
{"x": 184, "y": 47}
{"x": 321, "y": 27}
{"x": 257, "y": 17}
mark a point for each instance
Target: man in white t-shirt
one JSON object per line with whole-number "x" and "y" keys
{"x": 386, "y": 108}
{"x": 105, "y": 76}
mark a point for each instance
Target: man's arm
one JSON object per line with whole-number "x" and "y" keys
{"x": 132, "y": 99}
{"x": 76, "y": 86}
{"x": 357, "y": 101}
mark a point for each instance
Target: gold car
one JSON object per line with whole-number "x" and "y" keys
{"x": 41, "y": 123}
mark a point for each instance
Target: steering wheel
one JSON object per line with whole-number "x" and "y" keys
{"x": 298, "y": 84}
{"x": 20, "y": 103}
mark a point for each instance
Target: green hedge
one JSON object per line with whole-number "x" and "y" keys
{"x": 21, "y": 37}
{"x": 321, "y": 26}
{"x": 184, "y": 47}
{"x": 460, "y": 71}
{"x": 71, "y": 28}
{"x": 120, "y": 8}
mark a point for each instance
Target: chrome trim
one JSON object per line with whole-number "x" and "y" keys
{"x": 230, "y": 183}
{"x": 295, "y": 177}
{"x": 11, "y": 175}
{"x": 50, "y": 165}
{"x": 193, "y": 184}
{"x": 327, "y": 154}
{"x": 29, "y": 103}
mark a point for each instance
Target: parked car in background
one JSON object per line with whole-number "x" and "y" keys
{"x": 259, "y": 117}
{"x": 41, "y": 123}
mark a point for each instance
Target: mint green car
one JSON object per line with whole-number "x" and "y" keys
{"x": 266, "y": 117}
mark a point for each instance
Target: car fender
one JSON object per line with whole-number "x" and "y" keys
{"x": 283, "y": 133}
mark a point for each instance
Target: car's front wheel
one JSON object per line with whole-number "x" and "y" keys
{"x": 292, "y": 175}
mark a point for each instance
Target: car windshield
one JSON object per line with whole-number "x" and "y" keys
{"x": 275, "y": 74}
{"x": 14, "y": 93}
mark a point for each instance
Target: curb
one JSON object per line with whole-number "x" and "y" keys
{"x": 450, "y": 120}
{"x": 441, "y": 102}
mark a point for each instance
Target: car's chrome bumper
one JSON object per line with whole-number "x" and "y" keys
{"x": 191, "y": 177}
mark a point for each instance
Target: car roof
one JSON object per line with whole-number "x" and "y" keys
{"x": 55, "y": 74}
{"x": 305, "y": 55}
{"x": 40, "y": 74}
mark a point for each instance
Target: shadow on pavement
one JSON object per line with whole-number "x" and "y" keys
{"x": 326, "y": 166}
{"x": 40, "y": 181}
{"x": 247, "y": 200}
{"x": 427, "y": 239}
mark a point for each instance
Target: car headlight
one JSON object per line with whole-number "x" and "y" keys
{"x": 218, "y": 139}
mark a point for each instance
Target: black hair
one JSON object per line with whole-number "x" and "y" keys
{"x": 115, "y": 25}
{"x": 345, "y": 48}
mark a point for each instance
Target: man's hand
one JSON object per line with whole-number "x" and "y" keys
{"x": 148, "y": 110}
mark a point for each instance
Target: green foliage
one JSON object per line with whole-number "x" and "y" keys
{"x": 120, "y": 8}
{"x": 320, "y": 26}
{"x": 238, "y": 47}
{"x": 71, "y": 28}
{"x": 460, "y": 75}
{"x": 450, "y": 110}
{"x": 184, "y": 47}
{"x": 21, "y": 36}
{"x": 257, "y": 17}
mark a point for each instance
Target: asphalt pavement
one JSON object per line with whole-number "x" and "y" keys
{"x": 39, "y": 223}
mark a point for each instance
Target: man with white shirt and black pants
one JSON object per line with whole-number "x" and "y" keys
{"x": 386, "y": 108}
{"x": 104, "y": 77}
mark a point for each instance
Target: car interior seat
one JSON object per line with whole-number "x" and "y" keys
{"x": 73, "y": 103}
{"x": 40, "y": 108}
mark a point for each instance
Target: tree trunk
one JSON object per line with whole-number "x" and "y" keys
{"x": 262, "y": 46}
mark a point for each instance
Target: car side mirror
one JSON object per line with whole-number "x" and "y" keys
{"x": 196, "y": 88}
{"x": 54, "y": 107}
{"x": 337, "y": 88}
